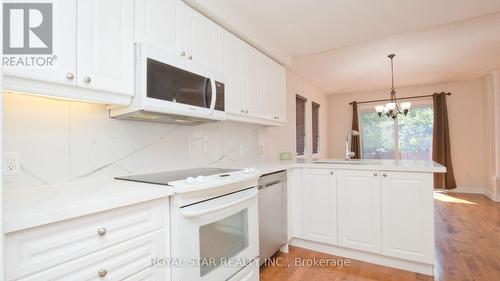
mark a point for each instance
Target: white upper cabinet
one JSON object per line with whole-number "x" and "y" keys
{"x": 319, "y": 189}
{"x": 359, "y": 210}
{"x": 93, "y": 54}
{"x": 280, "y": 98}
{"x": 63, "y": 68}
{"x": 106, "y": 45}
{"x": 268, "y": 91}
{"x": 254, "y": 83}
{"x": 159, "y": 23}
{"x": 234, "y": 68}
{"x": 407, "y": 216}
{"x": 202, "y": 40}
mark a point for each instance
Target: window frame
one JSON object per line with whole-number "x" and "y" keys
{"x": 424, "y": 102}
{"x": 317, "y": 153}
{"x": 304, "y": 100}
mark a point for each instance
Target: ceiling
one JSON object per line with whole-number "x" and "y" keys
{"x": 341, "y": 45}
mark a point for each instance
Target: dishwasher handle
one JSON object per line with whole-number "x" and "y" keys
{"x": 267, "y": 184}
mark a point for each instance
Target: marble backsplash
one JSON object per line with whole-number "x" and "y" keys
{"x": 60, "y": 141}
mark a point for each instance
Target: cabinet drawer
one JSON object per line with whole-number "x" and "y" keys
{"x": 118, "y": 262}
{"x": 150, "y": 274}
{"x": 32, "y": 250}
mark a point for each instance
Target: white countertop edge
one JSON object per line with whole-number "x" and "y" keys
{"x": 267, "y": 167}
{"x": 89, "y": 197}
{"x": 30, "y": 207}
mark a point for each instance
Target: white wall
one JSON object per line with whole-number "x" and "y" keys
{"x": 492, "y": 135}
{"x": 282, "y": 139}
{"x": 61, "y": 141}
{"x": 466, "y": 117}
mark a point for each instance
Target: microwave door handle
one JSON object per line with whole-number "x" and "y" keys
{"x": 214, "y": 95}
{"x": 197, "y": 213}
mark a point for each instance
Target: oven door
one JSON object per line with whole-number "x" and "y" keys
{"x": 216, "y": 238}
{"x": 172, "y": 85}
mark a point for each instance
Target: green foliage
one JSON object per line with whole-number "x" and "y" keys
{"x": 414, "y": 134}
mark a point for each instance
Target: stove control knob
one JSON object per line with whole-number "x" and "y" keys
{"x": 189, "y": 180}
{"x": 200, "y": 179}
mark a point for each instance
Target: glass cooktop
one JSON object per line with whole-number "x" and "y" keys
{"x": 164, "y": 178}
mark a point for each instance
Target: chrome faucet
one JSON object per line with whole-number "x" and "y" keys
{"x": 348, "y": 153}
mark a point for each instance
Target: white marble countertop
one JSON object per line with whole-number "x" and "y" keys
{"x": 29, "y": 207}
{"x": 420, "y": 166}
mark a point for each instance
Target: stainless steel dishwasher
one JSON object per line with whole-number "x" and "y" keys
{"x": 272, "y": 214}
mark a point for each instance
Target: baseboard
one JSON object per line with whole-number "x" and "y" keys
{"x": 427, "y": 269}
{"x": 470, "y": 190}
{"x": 495, "y": 197}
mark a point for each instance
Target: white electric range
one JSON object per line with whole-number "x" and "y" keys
{"x": 214, "y": 222}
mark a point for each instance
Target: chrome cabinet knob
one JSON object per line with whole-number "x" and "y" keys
{"x": 242, "y": 111}
{"x": 102, "y": 272}
{"x": 375, "y": 174}
{"x": 183, "y": 54}
{"x": 102, "y": 231}
{"x": 87, "y": 79}
{"x": 331, "y": 172}
{"x": 384, "y": 174}
{"x": 70, "y": 76}
{"x": 190, "y": 57}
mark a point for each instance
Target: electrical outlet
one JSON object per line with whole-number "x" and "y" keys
{"x": 11, "y": 164}
{"x": 242, "y": 149}
{"x": 261, "y": 150}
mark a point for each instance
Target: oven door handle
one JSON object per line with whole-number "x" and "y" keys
{"x": 214, "y": 95}
{"x": 242, "y": 198}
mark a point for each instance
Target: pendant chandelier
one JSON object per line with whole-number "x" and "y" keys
{"x": 392, "y": 109}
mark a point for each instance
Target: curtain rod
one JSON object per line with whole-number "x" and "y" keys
{"x": 405, "y": 98}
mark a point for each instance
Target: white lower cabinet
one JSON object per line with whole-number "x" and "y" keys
{"x": 320, "y": 205}
{"x": 115, "y": 263}
{"x": 359, "y": 210}
{"x": 115, "y": 245}
{"x": 408, "y": 216}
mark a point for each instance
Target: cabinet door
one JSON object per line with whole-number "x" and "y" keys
{"x": 320, "y": 205}
{"x": 408, "y": 216}
{"x": 159, "y": 23}
{"x": 280, "y": 104}
{"x": 254, "y": 82}
{"x": 359, "y": 210}
{"x": 106, "y": 45}
{"x": 234, "y": 88}
{"x": 63, "y": 68}
{"x": 268, "y": 78}
{"x": 203, "y": 40}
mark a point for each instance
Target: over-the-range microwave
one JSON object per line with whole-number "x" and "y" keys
{"x": 172, "y": 89}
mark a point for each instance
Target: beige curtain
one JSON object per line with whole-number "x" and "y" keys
{"x": 355, "y": 142}
{"x": 441, "y": 151}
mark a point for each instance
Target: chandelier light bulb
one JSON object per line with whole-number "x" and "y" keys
{"x": 391, "y": 105}
{"x": 379, "y": 108}
{"x": 405, "y": 105}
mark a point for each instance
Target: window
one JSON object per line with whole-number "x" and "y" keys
{"x": 300, "y": 124}
{"x": 408, "y": 137}
{"x": 315, "y": 127}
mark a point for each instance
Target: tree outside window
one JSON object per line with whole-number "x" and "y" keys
{"x": 407, "y": 137}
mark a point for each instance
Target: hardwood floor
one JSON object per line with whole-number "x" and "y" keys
{"x": 467, "y": 248}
